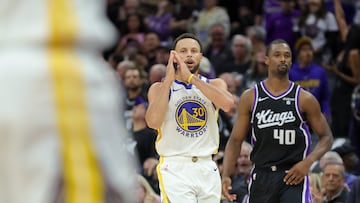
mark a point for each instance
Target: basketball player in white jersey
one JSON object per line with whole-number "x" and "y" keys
{"x": 184, "y": 107}
{"x": 60, "y": 126}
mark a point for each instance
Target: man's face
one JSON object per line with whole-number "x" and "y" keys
{"x": 239, "y": 48}
{"x": 305, "y": 54}
{"x": 332, "y": 178}
{"x": 189, "y": 52}
{"x": 314, "y": 5}
{"x": 279, "y": 59}
{"x": 162, "y": 56}
{"x": 287, "y": 6}
{"x": 151, "y": 41}
{"x": 243, "y": 162}
{"x": 218, "y": 37}
{"x": 132, "y": 80}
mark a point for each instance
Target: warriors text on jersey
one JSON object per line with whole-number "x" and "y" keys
{"x": 190, "y": 126}
{"x": 279, "y": 133}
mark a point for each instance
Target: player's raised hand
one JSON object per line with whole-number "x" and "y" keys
{"x": 182, "y": 69}
{"x": 170, "y": 69}
{"x": 226, "y": 187}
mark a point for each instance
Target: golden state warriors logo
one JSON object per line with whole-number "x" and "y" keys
{"x": 191, "y": 116}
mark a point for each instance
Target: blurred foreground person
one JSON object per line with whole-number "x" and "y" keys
{"x": 61, "y": 133}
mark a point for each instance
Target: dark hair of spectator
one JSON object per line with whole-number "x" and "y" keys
{"x": 142, "y": 27}
{"x": 321, "y": 13}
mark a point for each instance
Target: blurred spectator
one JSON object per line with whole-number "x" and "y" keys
{"x": 241, "y": 59}
{"x": 316, "y": 187}
{"x": 309, "y": 75}
{"x": 269, "y": 7}
{"x": 349, "y": 158}
{"x": 144, "y": 192}
{"x": 162, "y": 53}
{"x": 279, "y": 23}
{"x": 354, "y": 195}
{"x": 230, "y": 81}
{"x": 349, "y": 7}
{"x": 334, "y": 157}
{"x": 134, "y": 30}
{"x": 257, "y": 36}
{"x": 122, "y": 67}
{"x": 184, "y": 15}
{"x": 132, "y": 52}
{"x": 243, "y": 165}
{"x": 124, "y": 9}
{"x": 356, "y": 19}
{"x": 206, "y": 68}
{"x": 244, "y": 18}
{"x": 317, "y": 23}
{"x": 226, "y": 119}
{"x": 143, "y": 136}
{"x": 156, "y": 73}
{"x": 218, "y": 159}
{"x": 160, "y": 21}
{"x": 209, "y": 15}
{"x": 217, "y": 51}
{"x": 151, "y": 42}
{"x": 347, "y": 73}
{"x": 113, "y": 59}
{"x": 256, "y": 73}
{"x": 150, "y": 174}
{"x": 333, "y": 180}
{"x": 133, "y": 83}
{"x": 354, "y": 131}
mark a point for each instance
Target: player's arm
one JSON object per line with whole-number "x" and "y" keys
{"x": 311, "y": 109}
{"x": 158, "y": 97}
{"x": 216, "y": 91}
{"x": 233, "y": 146}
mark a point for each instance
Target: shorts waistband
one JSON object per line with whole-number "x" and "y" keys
{"x": 273, "y": 168}
{"x": 187, "y": 158}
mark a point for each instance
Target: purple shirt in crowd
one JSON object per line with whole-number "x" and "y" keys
{"x": 313, "y": 79}
{"x": 160, "y": 25}
{"x": 280, "y": 26}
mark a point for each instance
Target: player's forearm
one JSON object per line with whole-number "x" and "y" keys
{"x": 323, "y": 145}
{"x": 220, "y": 97}
{"x": 232, "y": 150}
{"x": 157, "y": 109}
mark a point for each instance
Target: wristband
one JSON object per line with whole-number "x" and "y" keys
{"x": 189, "y": 79}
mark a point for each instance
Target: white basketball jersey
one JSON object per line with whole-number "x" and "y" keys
{"x": 190, "y": 126}
{"x": 29, "y": 23}
{"x": 60, "y": 128}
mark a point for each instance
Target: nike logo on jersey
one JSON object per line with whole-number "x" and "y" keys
{"x": 174, "y": 90}
{"x": 263, "y": 99}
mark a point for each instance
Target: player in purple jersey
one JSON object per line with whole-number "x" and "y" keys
{"x": 277, "y": 112}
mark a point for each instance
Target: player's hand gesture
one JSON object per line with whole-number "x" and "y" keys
{"x": 170, "y": 69}
{"x": 182, "y": 69}
{"x": 226, "y": 187}
{"x": 296, "y": 174}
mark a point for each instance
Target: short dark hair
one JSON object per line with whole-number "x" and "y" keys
{"x": 184, "y": 36}
{"x": 277, "y": 41}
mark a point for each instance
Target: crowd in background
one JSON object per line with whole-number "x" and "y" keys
{"x": 234, "y": 34}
